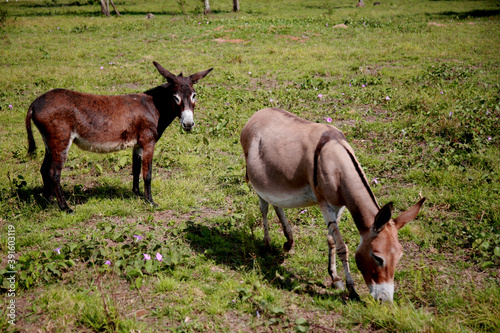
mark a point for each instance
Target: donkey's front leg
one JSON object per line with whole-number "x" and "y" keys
{"x": 136, "y": 168}
{"x": 332, "y": 215}
{"x": 147, "y": 170}
{"x": 342, "y": 251}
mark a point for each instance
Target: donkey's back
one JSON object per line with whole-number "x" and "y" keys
{"x": 96, "y": 123}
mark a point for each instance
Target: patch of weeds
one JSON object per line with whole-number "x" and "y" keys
{"x": 365, "y": 22}
{"x": 301, "y": 325}
{"x": 81, "y": 309}
{"x": 317, "y": 83}
{"x": 130, "y": 256}
{"x": 392, "y": 318}
{"x": 487, "y": 246}
{"x": 260, "y": 305}
{"x": 36, "y": 267}
{"x": 165, "y": 284}
{"x": 365, "y": 80}
{"x": 99, "y": 317}
{"x": 423, "y": 282}
{"x": 445, "y": 72}
{"x": 18, "y": 182}
{"x": 83, "y": 28}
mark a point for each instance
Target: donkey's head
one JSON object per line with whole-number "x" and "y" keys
{"x": 379, "y": 251}
{"x": 184, "y": 95}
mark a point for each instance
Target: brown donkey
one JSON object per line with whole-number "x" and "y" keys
{"x": 294, "y": 163}
{"x": 106, "y": 124}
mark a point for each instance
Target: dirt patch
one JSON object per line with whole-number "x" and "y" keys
{"x": 294, "y": 38}
{"x": 233, "y": 41}
{"x": 436, "y": 24}
{"x": 340, "y": 26}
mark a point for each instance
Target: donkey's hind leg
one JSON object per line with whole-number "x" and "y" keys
{"x": 48, "y": 187}
{"x": 264, "y": 208}
{"x": 51, "y": 170}
{"x": 136, "y": 168}
{"x": 287, "y": 229}
{"x": 55, "y": 174}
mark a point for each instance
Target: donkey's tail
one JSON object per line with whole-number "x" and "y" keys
{"x": 31, "y": 139}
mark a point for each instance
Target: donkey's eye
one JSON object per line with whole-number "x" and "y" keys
{"x": 177, "y": 99}
{"x": 379, "y": 260}
{"x": 193, "y": 97}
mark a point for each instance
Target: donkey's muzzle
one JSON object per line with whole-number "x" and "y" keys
{"x": 187, "y": 121}
{"x": 383, "y": 292}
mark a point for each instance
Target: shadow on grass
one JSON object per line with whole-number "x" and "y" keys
{"x": 478, "y": 13}
{"x": 239, "y": 250}
{"x": 76, "y": 197}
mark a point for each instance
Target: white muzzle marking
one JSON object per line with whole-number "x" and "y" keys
{"x": 187, "y": 120}
{"x": 382, "y": 292}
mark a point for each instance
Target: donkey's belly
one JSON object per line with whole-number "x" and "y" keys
{"x": 289, "y": 198}
{"x": 103, "y": 147}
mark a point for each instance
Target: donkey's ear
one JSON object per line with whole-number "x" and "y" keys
{"x": 198, "y": 76}
{"x": 166, "y": 74}
{"x": 383, "y": 217}
{"x": 409, "y": 215}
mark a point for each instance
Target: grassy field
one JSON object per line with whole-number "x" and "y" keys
{"x": 414, "y": 85}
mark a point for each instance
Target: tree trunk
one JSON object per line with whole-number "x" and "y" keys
{"x": 104, "y": 8}
{"x": 116, "y": 10}
{"x": 207, "y": 7}
{"x": 236, "y": 5}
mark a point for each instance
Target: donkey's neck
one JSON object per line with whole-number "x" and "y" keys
{"x": 358, "y": 196}
{"x": 363, "y": 213}
{"x": 164, "y": 102}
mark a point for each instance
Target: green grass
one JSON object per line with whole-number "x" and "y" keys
{"x": 438, "y": 135}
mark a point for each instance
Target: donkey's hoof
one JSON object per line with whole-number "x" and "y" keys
{"x": 48, "y": 197}
{"x": 288, "y": 247}
{"x": 152, "y": 203}
{"x": 338, "y": 285}
{"x": 268, "y": 248}
{"x": 353, "y": 296}
{"x": 67, "y": 210}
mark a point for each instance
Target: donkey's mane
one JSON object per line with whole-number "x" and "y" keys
{"x": 361, "y": 174}
{"x": 157, "y": 89}
{"x": 326, "y": 137}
